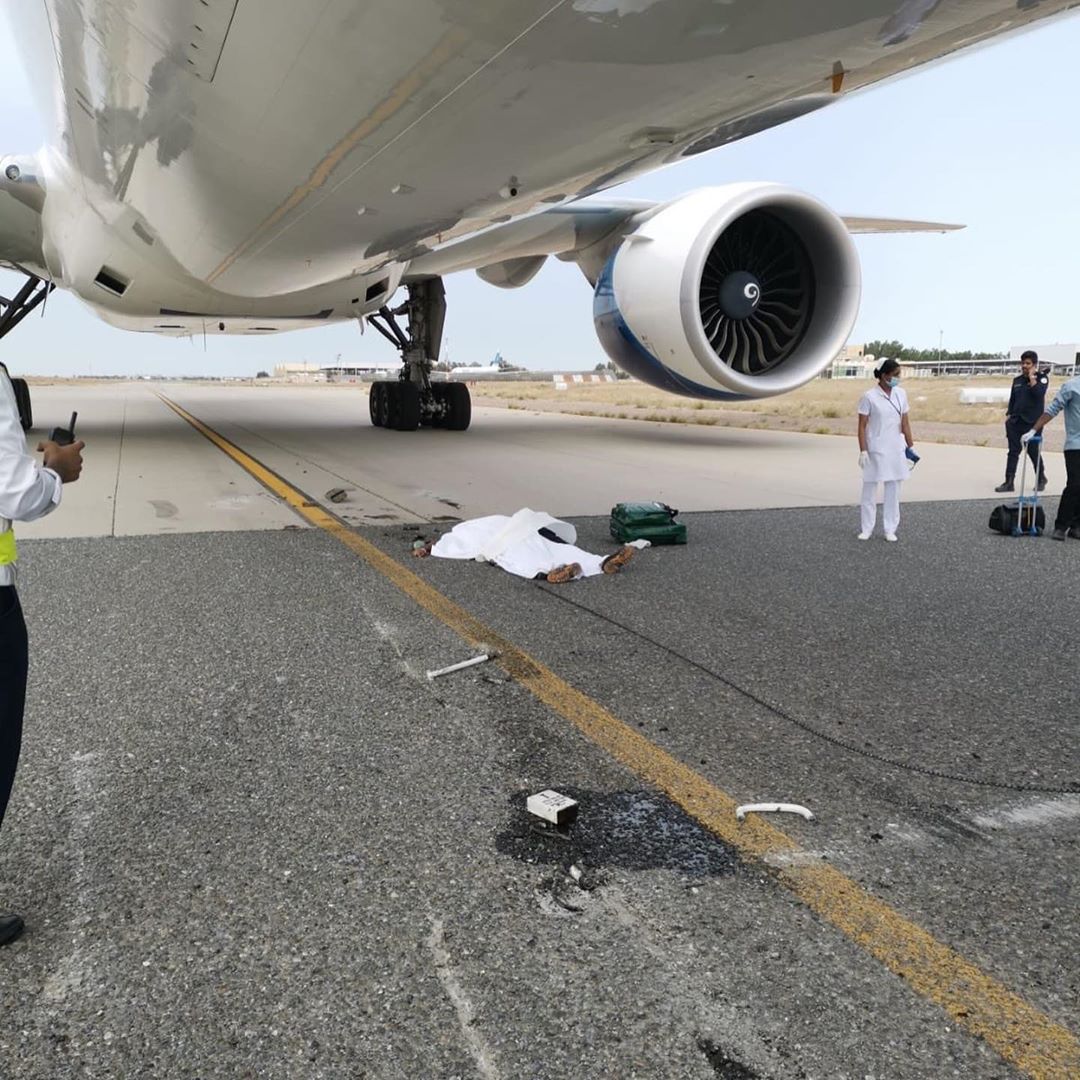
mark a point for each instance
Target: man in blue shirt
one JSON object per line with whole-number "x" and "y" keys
{"x": 1026, "y": 403}
{"x": 1068, "y": 402}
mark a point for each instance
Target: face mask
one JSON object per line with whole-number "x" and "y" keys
{"x": 894, "y": 382}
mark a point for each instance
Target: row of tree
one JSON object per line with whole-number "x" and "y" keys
{"x": 613, "y": 368}
{"x": 905, "y": 354}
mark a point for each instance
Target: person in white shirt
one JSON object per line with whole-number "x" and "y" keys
{"x": 27, "y": 491}
{"x": 884, "y": 442}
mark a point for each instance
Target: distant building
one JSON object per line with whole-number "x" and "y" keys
{"x": 351, "y": 373}
{"x": 855, "y": 363}
{"x": 851, "y": 363}
{"x": 1063, "y": 359}
{"x": 931, "y": 369}
{"x": 302, "y": 372}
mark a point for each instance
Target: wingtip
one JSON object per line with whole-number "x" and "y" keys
{"x": 877, "y": 226}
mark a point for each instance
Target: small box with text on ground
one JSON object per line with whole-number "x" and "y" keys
{"x": 560, "y": 810}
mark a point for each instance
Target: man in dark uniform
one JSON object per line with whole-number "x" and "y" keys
{"x": 1025, "y": 407}
{"x": 27, "y": 491}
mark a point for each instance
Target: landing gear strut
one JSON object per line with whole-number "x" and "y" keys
{"x": 413, "y": 400}
{"x": 12, "y": 312}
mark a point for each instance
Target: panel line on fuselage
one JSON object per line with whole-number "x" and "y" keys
{"x": 393, "y": 103}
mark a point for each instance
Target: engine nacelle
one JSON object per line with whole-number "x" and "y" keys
{"x": 741, "y": 291}
{"x": 22, "y": 196}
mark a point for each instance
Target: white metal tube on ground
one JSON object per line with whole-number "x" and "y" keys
{"x": 457, "y": 667}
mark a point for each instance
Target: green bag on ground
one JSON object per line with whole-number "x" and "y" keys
{"x": 652, "y": 521}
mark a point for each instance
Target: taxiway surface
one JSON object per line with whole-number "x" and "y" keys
{"x": 148, "y": 472}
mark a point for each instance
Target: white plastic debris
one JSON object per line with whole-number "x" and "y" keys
{"x": 641, "y": 544}
{"x": 575, "y": 873}
{"x": 552, "y": 806}
{"x": 458, "y": 667}
{"x": 772, "y": 808}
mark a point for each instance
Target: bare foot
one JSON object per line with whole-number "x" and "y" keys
{"x": 614, "y": 563}
{"x": 562, "y": 574}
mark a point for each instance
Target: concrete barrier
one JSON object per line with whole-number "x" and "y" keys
{"x": 984, "y": 395}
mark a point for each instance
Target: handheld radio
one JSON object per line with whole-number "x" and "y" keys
{"x": 64, "y": 436}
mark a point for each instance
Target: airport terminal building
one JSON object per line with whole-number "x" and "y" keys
{"x": 854, "y": 363}
{"x": 1063, "y": 359}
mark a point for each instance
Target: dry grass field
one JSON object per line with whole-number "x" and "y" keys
{"x": 821, "y": 407}
{"x": 937, "y": 399}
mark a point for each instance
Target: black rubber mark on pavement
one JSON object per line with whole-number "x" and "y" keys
{"x": 727, "y": 1068}
{"x": 629, "y": 830}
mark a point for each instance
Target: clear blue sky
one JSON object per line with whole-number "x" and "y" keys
{"x": 989, "y": 139}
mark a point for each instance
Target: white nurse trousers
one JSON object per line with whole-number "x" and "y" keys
{"x": 890, "y": 506}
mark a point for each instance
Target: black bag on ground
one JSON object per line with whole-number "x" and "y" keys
{"x": 1005, "y": 519}
{"x": 652, "y": 521}
{"x": 1016, "y": 518}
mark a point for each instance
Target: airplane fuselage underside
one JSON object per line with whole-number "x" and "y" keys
{"x": 275, "y": 165}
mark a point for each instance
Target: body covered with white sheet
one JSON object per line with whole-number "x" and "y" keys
{"x": 515, "y": 544}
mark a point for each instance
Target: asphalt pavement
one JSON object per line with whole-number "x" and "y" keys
{"x": 251, "y": 838}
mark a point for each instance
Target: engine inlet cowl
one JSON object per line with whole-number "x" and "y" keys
{"x": 742, "y": 291}
{"x": 757, "y": 293}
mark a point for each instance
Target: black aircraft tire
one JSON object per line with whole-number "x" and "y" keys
{"x": 460, "y": 415}
{"x": 393, "y": 404}
{"x": 408, "y": 407}
{"x": 22, "y": 400}
{"x": 383, "y": 404}
{"x": 373, "y": 403}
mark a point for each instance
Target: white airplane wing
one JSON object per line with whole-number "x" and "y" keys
{"x": 509, "y": 255}
{"x": 862, "y": 226}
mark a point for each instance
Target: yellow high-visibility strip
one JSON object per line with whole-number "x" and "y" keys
{"x": 1020, "y": 1033}
{"x": 8, "y": 551}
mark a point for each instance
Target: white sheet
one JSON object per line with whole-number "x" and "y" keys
{"x": 515, "y": 544}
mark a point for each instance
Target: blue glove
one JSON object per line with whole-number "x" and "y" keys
{"x": 910, "y": 454}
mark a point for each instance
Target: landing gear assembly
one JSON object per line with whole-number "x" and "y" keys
{"x": 401, "y": 405}
{"x": 413, "y": 400}
{"x": 12, "y": 312}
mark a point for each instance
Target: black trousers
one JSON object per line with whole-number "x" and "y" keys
{"x": 1013, "y": 430}
{"x": 1068, "y": 514}
{"x": 13, "y": 665}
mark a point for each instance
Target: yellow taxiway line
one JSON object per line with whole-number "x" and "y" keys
{"x": 978, "y": 1003}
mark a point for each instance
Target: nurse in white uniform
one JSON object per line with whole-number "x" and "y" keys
{"x": 884, "y": 435}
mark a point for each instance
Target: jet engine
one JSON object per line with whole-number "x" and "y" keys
{"x": 22, "y": 195}
{"x": 741, "y": 291}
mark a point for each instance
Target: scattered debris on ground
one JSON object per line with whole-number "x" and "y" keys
{"x": 471, "y": 662}
{"x": 550, "y": 805}
{"x": 772, "y": 808}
